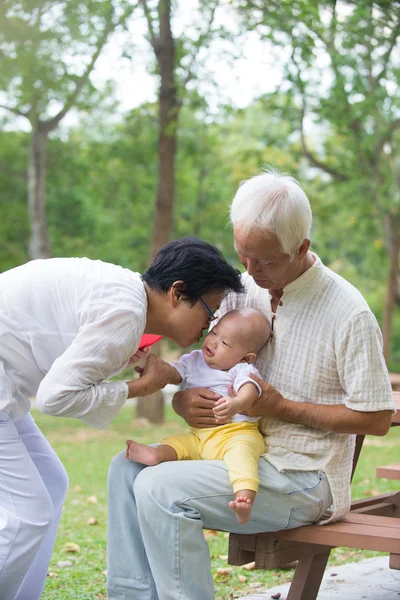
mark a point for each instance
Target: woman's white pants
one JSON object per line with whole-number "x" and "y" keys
{"x": 33, "y": 485}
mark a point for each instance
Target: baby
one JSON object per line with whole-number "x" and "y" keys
{"x": 225, "y": 359}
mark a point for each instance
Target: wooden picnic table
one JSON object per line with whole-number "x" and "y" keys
{"x": 395, "y": 381}
{"x": 396, "y": 417}
{"x": 392, "y": 471}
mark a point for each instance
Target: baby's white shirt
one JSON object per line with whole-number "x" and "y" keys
{"x": 195, "y": 372}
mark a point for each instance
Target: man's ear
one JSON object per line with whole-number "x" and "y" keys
{"x": 304, "y": 248}
{"x": 248, "y": 358}
{"x": 174, "y": 294}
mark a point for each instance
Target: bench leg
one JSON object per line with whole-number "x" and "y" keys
{"x": 308, "y": 576}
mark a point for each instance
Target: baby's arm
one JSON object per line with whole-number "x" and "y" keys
{"x": 227, "y": 407}
{"x": 153, "y": 377}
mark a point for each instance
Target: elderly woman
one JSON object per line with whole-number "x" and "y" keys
{"x": 66, "y": 326}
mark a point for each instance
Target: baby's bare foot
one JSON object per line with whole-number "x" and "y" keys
{"x": 146, "y": 455}
{"x": 242, "y": 507}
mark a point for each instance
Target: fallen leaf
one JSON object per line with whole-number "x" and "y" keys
{"x": 51, "y": 574}
{"x": 91, "y": 521}
{"x": 276, "y": 596}
{"x": 62, "y": 564}
{"x": 225, "y": 571}
{"x": 242, "y": 579}
{"x": 92, "y": 499}
{"x": 78, "y": 488}
{"x": 71, "y": 547}
{"x": 223, "y": 556}
{"x": 249, "y": 566}
{"x": 210, "y": 533}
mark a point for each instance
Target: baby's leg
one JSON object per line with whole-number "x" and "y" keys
{"x": 242, "y": 505}
{"x": 174, "y": 447}
{"x": 147, "y": 455}
{"x": 241, "y": 456}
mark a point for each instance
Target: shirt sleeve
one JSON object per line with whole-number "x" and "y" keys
{"x": 184, "y": 364}
{"x": 241, "y": 372}
{"x": 75, "y": 385}
{"x": 361, "y": 366}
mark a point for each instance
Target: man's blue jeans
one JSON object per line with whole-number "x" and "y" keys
{"x": 156, "y": 545}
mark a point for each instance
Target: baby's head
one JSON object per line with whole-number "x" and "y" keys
{"x": 237, "y": 337}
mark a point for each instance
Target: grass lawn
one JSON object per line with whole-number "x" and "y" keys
{"x": 86, "y": 454}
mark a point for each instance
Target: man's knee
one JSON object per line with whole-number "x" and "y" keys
{"x": 122, "y": 470}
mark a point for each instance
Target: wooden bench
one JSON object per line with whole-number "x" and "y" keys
{"x": 372, "y": 524}
{"x": 389, "y": 471}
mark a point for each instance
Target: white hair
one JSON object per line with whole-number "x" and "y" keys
{"x": 274, "y": 202}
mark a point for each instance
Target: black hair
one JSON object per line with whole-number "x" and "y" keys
{"x": 199, "y": 265}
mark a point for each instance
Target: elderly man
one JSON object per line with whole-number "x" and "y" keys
{"x": 325, "y": 380}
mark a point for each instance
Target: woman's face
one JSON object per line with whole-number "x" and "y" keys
{"x": 189, "y": 322}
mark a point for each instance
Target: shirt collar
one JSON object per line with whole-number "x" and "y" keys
{"x": 307, "y": 279}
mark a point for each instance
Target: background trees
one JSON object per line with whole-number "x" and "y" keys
{"x": 115, "y": 185}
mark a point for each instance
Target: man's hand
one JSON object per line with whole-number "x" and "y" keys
{"x": 196, "y": 407}
{"x": 269, "y": 404}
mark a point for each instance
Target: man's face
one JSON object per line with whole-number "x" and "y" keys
{"x": 263, "y": 258}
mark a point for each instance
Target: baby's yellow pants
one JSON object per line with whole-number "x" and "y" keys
{"x": 239, "y": 445}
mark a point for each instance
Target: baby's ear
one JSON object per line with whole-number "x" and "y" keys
{"x": 248, "y": 358}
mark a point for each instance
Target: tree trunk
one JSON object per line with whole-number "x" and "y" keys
{"x": 152, "y": 407}
{"x": 392, "y": 231}
{"x": 168, "y": 116}
{"x": 39, "y": 244}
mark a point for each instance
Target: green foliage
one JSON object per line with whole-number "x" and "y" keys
{"x": 47, "y": 50}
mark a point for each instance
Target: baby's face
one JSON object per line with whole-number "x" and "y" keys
{"x": 225, "y": 346}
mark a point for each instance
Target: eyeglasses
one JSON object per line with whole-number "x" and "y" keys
{"x": 211, "y": 315}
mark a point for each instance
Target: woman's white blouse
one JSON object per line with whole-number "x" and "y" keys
{"x": 66, "y": 326}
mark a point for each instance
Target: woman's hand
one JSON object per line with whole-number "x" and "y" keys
{"x": 155, "y": 375}
{"x": 196, "y": 407}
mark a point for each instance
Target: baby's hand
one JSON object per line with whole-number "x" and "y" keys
{"x": 139, "y": 354}
{"x": 224, "y": 407}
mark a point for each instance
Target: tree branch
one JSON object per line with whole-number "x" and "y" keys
{"x": 81, "y": 81}
{"x": 202, "y": 36}
{"x": 154, "y": 39}
{"x": 386, "y": 57}
{"x": 15, "y": 111}
{"x": 311, "y": 157}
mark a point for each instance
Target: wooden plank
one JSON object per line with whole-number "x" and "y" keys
{"x": 350, "y": 535}
{"x": 307, "y": 577}
{"x": 389, "y": 471}
{"x": 392, "y": 498}
{"x": 385, "y": 509}
{"x": 241, "y": 549}
{"x": 396, "y": 416}
{"x": 395, "y": 381}
{"x": 272, "y": 553}
{"x": 394, "y": 561}
{"x": 373, "y": 520}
